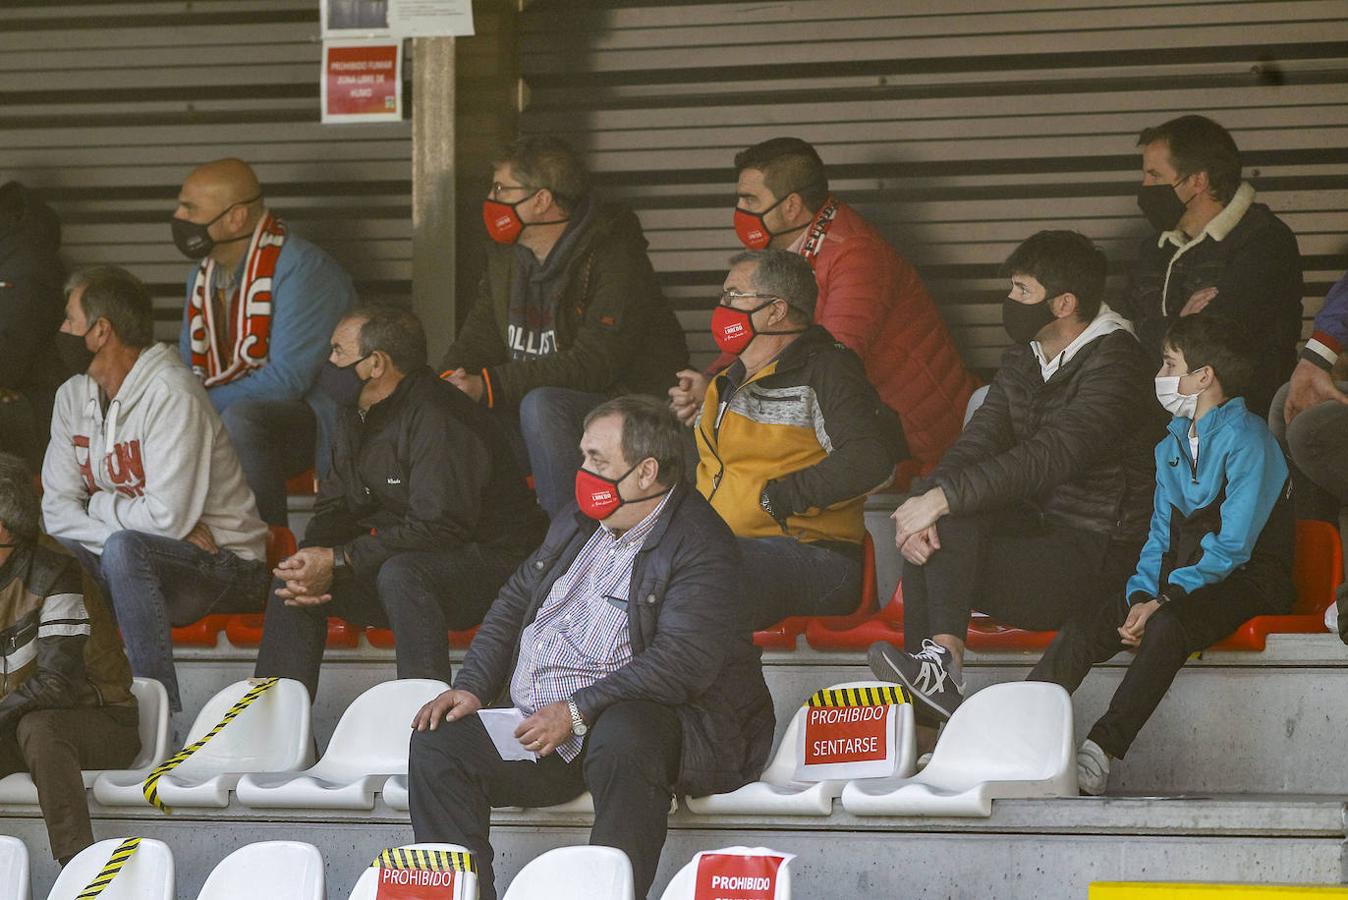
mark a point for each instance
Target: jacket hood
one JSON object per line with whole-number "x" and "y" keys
{"x": 27, "y": 222}
{"x": 152, "y": 361}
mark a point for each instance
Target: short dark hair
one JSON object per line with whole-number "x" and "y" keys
{"x": 783, "y": 274}
{"x": 789, "y": 166}
{"x": 1198, "y": 144}
{"x": 1064, "y": 262}
{"x": 114, "y": 294}
{"x": 650, "y": 429}
{"x": 543, "y": 161}
{"x": 1219, "y": 342}
{"x": 394, "y": 331}
{"x": 20, "y": 509}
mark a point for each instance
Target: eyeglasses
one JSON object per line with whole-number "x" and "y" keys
{"x": 496, "y": 188}
{"x": 729, "y": 297}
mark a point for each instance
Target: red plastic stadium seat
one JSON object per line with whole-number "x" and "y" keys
{"x": 782, "y": 636}
{"x": 383, "y": 637}
{"x": 246, "y": 631}
{"x": 885, "y": 625}
{"x": 201, "y": 633}
{"x": 987, "y": 634}
{"x": 303, "y": 484}
{"x": 1317, "y": 570}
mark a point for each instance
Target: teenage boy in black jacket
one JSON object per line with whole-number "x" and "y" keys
{"x": 423, "y": 518}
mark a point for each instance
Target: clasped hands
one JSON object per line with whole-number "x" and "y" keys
{"x": 915, "y": 520}
{"x": 541, "y": 733}
{"x": 307, "y": 575}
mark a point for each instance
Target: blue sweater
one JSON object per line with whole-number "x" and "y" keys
{"x": 310, "y": 294}
{"x": 1208, "y": 514}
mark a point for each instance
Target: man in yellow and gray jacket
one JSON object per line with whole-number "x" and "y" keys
{"x": 791, "y": 437}
{"x": 65, "y": 683}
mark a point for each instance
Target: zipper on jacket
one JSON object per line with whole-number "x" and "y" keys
{"x": 1192, "y": 460}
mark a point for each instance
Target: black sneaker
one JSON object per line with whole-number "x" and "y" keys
{"x": 925, "y": 673}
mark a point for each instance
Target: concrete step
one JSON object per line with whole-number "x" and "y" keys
{"x": 1027, "y": 849}
{"x": 1232, "y": 722}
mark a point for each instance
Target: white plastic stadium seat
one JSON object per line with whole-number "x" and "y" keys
{"x": 777, "y": 793}
{"x": 14, "y": 877}
{"x": 368, "y": 746}
{"x": 683, "y": 886}
{"x": 152, "y": 706}
{"x": 272, "y": 735}
{"x": 395, "y": 793}
{"x": 575, "y": 873}
{"x": 367, "y": 886}
{"x": 148, "y": 875}
{"x": 277, "y": 870}
{"x": 1008, "y": 740}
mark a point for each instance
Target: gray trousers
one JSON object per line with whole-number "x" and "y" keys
{"x": 1317, "y": 442}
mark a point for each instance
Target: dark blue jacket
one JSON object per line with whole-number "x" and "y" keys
{"x": 691, "y": 643}
{"x": 1228, "y": 510}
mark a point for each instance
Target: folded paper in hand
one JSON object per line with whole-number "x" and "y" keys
{"x": 501, "y": 725}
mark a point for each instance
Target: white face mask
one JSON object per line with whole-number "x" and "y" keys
{"x": 1175, "y": 403}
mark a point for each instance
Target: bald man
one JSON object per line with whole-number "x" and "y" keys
{"x": 262, "y": 304}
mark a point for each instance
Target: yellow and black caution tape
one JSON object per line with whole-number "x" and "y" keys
{"x": 888, "y": 695}
{"x": 151, "y": 785}
{"x": 125, "y": 850}
{"x": 432, "y": 860}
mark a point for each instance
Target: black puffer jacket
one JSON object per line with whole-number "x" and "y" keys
{"x": 1078, "y": 448}
{"x": 691, "y": 645}
{"x": 616, "y": 332}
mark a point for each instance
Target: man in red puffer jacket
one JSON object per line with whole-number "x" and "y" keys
{"x": 870, "y": 297}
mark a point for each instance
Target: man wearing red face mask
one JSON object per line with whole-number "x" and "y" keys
{"x": 870, "y": 298}
{"x": 567, "y": 313}
{"x": 790, "y": 438}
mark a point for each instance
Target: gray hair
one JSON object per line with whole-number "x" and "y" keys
{"x": 113, "y": 293}
{"x": 650, "y": 430}
{"x": 784, "y": 274}
{"x": 20, "y": 509}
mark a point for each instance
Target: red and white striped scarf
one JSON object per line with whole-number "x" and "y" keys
{"x": 249, "y": 320}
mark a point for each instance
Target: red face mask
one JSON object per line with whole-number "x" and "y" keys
{"x": 598, "y": 497}
{"x": 733, "y": 329}
{"x": 503, "y": 222}
{"x": 752, "y": 227}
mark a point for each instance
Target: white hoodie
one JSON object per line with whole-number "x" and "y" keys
{"x": 158, "y": 461}
{"x": 1105, "y": 322}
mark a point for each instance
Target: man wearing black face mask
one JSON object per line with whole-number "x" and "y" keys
{"x": 424, "y": 515}
{"x": 1215, "y": 250}
{"x": 1041, "y": 507}
{"x": 261, "y": 305}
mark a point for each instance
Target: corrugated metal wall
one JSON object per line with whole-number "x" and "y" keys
{"x": 106, "y": 106}
{"x": 959, "y": 126}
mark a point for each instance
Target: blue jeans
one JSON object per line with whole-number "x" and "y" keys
{"x": 420, "y": 595}
{"x": 552, "y": 420}
{"x": 157, "y": 583}
{"x": 275, "y": 440}
{"x": 786, "y": 577}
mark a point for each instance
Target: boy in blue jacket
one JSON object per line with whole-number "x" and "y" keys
{"x": 1219, "y": 551}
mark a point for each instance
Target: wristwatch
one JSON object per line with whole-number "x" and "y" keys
{"x": 578, "y": 726}
{"x": 339, "y": 561}
{"x": 1161, "y": 600}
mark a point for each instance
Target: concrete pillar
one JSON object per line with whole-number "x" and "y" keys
{"x": 433, "y": 170}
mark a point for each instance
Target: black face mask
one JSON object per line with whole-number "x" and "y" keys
{"x": 193, "y": 239}
{"x": 1024, "y": 320}
{"x": 341, "y": 383}
{"x": 1161, "y": 205}
{"x": 75, "y": 356}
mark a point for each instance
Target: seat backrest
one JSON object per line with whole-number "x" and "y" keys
{"x": 14, "y": 877}
{"x": 1015, "y": 731}
{"x": 575, "y": 873}
{"x": 271, "y": 735}
{"x": 1317, "y": 566}
{"x": 465, "y": 883}
{"x": 147, "y": 875}
{"x": 373, "y": 734}
{"x": 782, "y": 768}
{"x": 153, "y": 709}
{"x": 683, "y": 886}
{"x": 277, "y": 870}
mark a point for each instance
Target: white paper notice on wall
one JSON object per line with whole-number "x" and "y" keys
{"x": 430, "y": 18}
{"x": 362, "y": 81}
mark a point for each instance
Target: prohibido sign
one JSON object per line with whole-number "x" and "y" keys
{"x": 850, "y": 732}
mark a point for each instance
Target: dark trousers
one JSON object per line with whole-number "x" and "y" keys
{"x": 54, "y": 745}
{"x": 275, "y": 441}
{"x": 1315, "y": 443}
{"x": 786, "y": 577}
{"x": 420, "y": 595}
{"x": 21, "y": 431}
{"x": 1013, "y": 566}
{"x": 157, "y": 583}
{"x": 1176, "y": 630}
{"x": 629, "y": 763}
{"x": 548, "y": 429}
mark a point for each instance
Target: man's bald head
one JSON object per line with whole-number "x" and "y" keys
{"x": 231, "y": 180}
{"x": 226, "y": 196}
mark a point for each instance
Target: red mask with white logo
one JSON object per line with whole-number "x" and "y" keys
{"x": 503, "y": 221}
{"x": 733, "y": 329}
{"x": 598, "y": 497}
{"x": 752, "y": 227}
